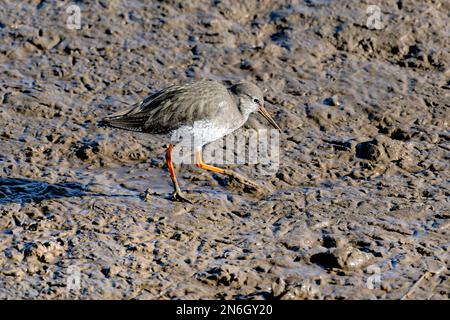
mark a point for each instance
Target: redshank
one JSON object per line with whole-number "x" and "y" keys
{"x": 206, "y": 110}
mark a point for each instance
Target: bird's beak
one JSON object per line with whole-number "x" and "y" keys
{"x": 268, "y": 117}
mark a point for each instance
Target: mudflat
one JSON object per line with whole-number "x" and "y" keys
{"x": 358, "y": 207}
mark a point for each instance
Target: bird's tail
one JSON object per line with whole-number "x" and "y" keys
{"x": 124, "y": 120}
{"x": 124, "y": 123}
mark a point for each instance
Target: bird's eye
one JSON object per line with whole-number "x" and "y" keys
{"x": 256, "y": 101}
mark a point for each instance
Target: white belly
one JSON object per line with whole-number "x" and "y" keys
{"x": 201, "y": 133}
{"x": 189, "y": 139}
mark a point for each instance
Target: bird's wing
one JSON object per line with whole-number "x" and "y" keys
{"x": 135, "y": 117}
{"x": 173, "y": 107}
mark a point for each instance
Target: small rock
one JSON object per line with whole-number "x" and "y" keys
{"x": 349, "y": 258}
{"x": 381, "y": 149}
{"x": 345, "y": 258}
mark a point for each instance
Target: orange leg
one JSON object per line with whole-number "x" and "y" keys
{"x": 170, "y": 164}
{"x": 199, "y": 163}
{"x": 177, "y": 194}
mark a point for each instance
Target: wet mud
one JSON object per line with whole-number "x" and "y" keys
{"x": 358, "y": 208}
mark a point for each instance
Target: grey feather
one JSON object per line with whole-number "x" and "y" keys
{"x": 173, "y": 107}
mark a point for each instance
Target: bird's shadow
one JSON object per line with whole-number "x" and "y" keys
{"x": 15, "y": 190}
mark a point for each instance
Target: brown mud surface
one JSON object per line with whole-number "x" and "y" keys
{"x": 359, "y": 207}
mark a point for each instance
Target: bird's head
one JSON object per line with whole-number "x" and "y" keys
{"x": 250, "y": 99}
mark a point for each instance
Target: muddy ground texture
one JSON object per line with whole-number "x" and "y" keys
{"x": 359, "y": 207}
